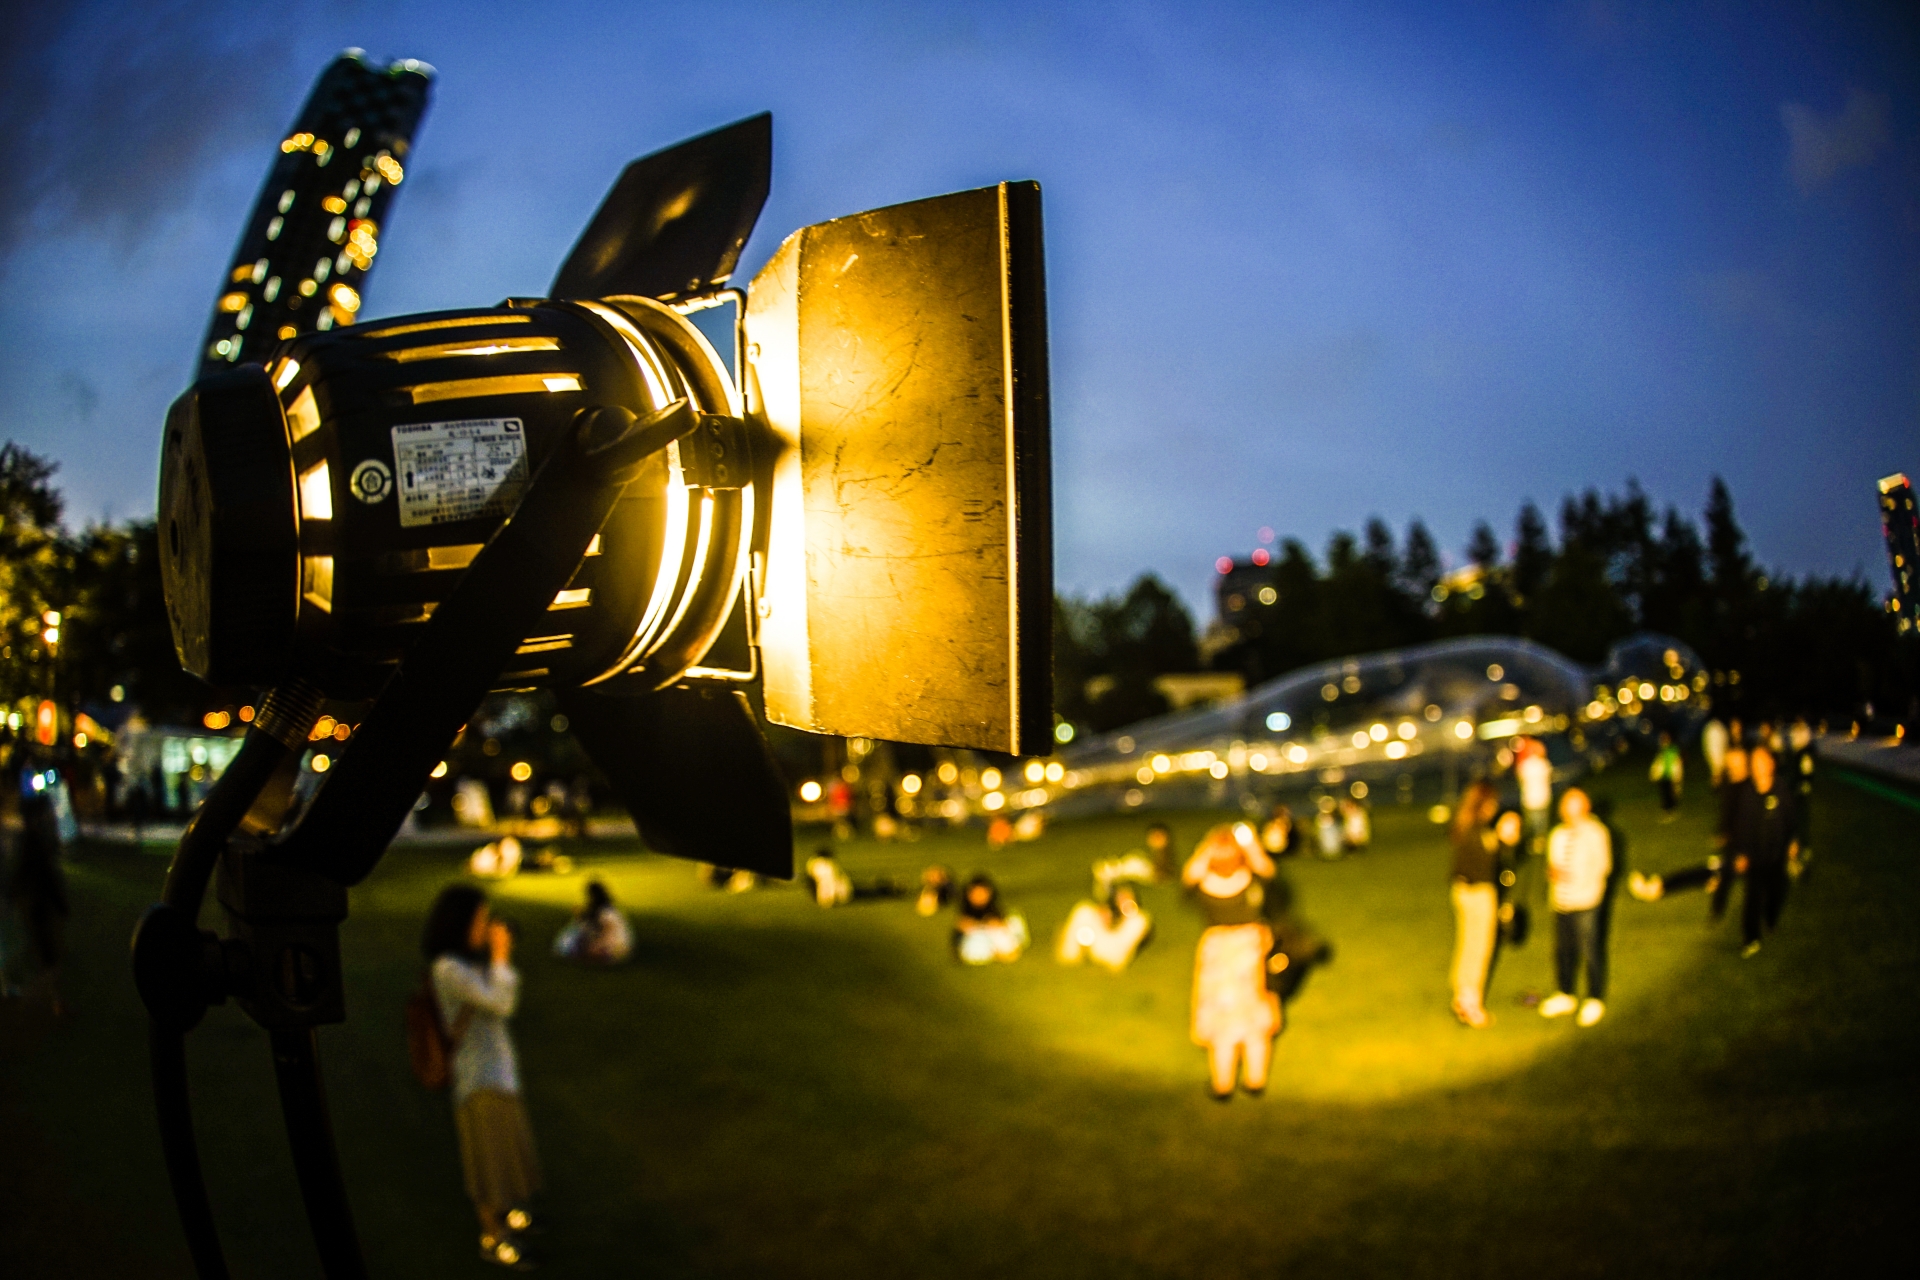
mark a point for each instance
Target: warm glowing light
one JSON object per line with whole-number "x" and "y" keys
{"x": 1257, "y": 762}
{"x": 321, "y": 763}
{"x": 119, "y": 694}
{"x": 1056, "y": 771}
{"x": 989, "y": 778}
{"x": 1218, "y": 768}
{"x": 334, "y": 204}
{"x": 1329, "y": 692}
{"x": 316, "y": 493}
{"x": 323, "y": 728}
{"x": 1463, "y": 729}
{"x": 810, "y": 791}
{"x": 1143, "y": 774}
{"x": 286, "y": 373}
{"x": 993, "y": 802}
{"x": 80, "y": 740}
{"x": 1646, "y": 691}
{"x": 1378, "y": 732}
{"x": 233, "y": 302}
{"x": 1268, "y": 595}
{"x": 949, "y": 773}
{"x": 1161, "y": 764}
{"x": 298, "y": 142}
{"x": 1361, "y": 739}
{"x": 1496, "y": 672}
{"x": 521, "y": 771}
{"x": 1063, "y": 732}
{"x": 1297, "y": 753}
{"x": 911, "y": 784}
{"x": 216, "y": 720}
{"x": 1358, "y": 790}
{"x": 1035, "y": 771}
{"x": 1396, "y": 750}
{"x": 342, "y": 732}
{"x": 1408, "y": 730}
{"x": 1260, "y": 556}
{"x": 389, "y": 168}
{"x": 344, "y": 297}
{"x": 439, "y": 770}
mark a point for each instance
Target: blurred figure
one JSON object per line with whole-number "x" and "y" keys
{"x": 1511, "y": 861}
{"x": 1148, "y": 866}
{"x": 1534, "y": 772}
{"x": 1326, "y": 830}
{"x": 1030, "y": 825}
{"x": 477, "y": 989}
{"x": 36, "y": 894}
{"x": 1716, "y": 874}
{"x": 936, "y": 890}
{"x": 1665, "y": 775}
{"x": 598, "y": 933}
{"x": 498, "y": 860}
{"x": 1276, "y": 837}
{"x": 1108, "y": 933}
{"x": 1713, "y": 745}
{"x": 832, "y": 886}
{"x": 1800, "y": 767}
{"x": 1356, "y": 825}
{"x": 1579, "y": 860}
{"x": 1765, "y": 847}
{"x": 983, "y": 930}
{"x": 840, "y": 807}
{"x": 1235, "y": 1016}
{"x": 1475, "y": 901}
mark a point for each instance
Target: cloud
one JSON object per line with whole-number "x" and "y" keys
{"x": 1820, "y": 147}
{"x": 108, "y": 112}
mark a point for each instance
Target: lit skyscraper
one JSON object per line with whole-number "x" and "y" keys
{"x": 1902, "y": 525}
{"x": 311, "y": 240}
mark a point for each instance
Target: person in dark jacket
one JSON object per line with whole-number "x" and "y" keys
{"x": 36, "y": 888}
{"x": 1765, "y": 841}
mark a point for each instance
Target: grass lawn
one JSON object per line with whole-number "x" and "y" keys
{"x": 775, "y": 1090}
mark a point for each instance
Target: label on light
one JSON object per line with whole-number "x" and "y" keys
{"x": 453, "y": 471}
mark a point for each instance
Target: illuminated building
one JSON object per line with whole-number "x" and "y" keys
{"x": 1242, "y": 586}
{"x": 313, "y": 234}
{"x": 1901, "y": 523}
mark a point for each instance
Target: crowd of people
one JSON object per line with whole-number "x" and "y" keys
{"x": 1507, "y": 851}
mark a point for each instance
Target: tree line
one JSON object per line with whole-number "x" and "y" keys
{"x": 1821, "y": 646}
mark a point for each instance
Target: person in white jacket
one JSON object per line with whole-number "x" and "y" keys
{"x": 1579, "y": 860}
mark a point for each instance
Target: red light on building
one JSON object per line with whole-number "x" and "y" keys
{"x": 1260, "y": 556}
{"x": 1224, "y": 564}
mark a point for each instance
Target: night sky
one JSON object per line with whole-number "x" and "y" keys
{"x": 1418, "y": 259}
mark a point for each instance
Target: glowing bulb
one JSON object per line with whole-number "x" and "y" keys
{"x": 989, "y": 778}
{"x": 911, "y": 784}
{"x": 1035, "y": 771}
{"x": 521, "y": 771}
{"x": 321, "y": 763}
{"x": 1056, "y": 771}
{"x": 810, "y": 791}
{"x": 993, "y": 802}
{"x": 1279, "y": 722}
{"x": 1463, "y": 729}
{"x": 439, "y": 770}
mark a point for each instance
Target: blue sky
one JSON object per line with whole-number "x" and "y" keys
{"x": 1307, "y": 264}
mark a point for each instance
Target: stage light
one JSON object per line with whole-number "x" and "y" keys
{"x": 837, "y": 484}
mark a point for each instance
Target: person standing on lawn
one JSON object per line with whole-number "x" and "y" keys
{"x": 1766, "y": 846}
{"x": 1476, "y": 901}
{"x": 477, "y": 989}
{"x": 1579, "y": 860}
{"x": 1666, "y": 774}
{"x": 1716, "y": 874}
{"x": 1235, "y": 1016}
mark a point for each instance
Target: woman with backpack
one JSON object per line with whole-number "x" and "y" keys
{"x": 475, "y": 990}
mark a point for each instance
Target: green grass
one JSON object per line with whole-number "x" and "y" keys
{"x": 775, "y": 1090}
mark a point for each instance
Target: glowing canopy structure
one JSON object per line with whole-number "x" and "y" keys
{"x": 1384, "y": 718}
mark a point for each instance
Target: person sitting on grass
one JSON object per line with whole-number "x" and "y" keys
{"x": 1579, "y": 860}
{"x": 936, "y": 890}
{"x": 1235, "y": 1016}
{"x": 1716, "y": 874}
{"x": 598, "y": 933}
{"x": 1108, "y": 933}
{"x": 476, "y": 990}
{"x": 983, "y": 930}
{"x": 832, "y": 886}
{"x": 1146, "y": 866}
